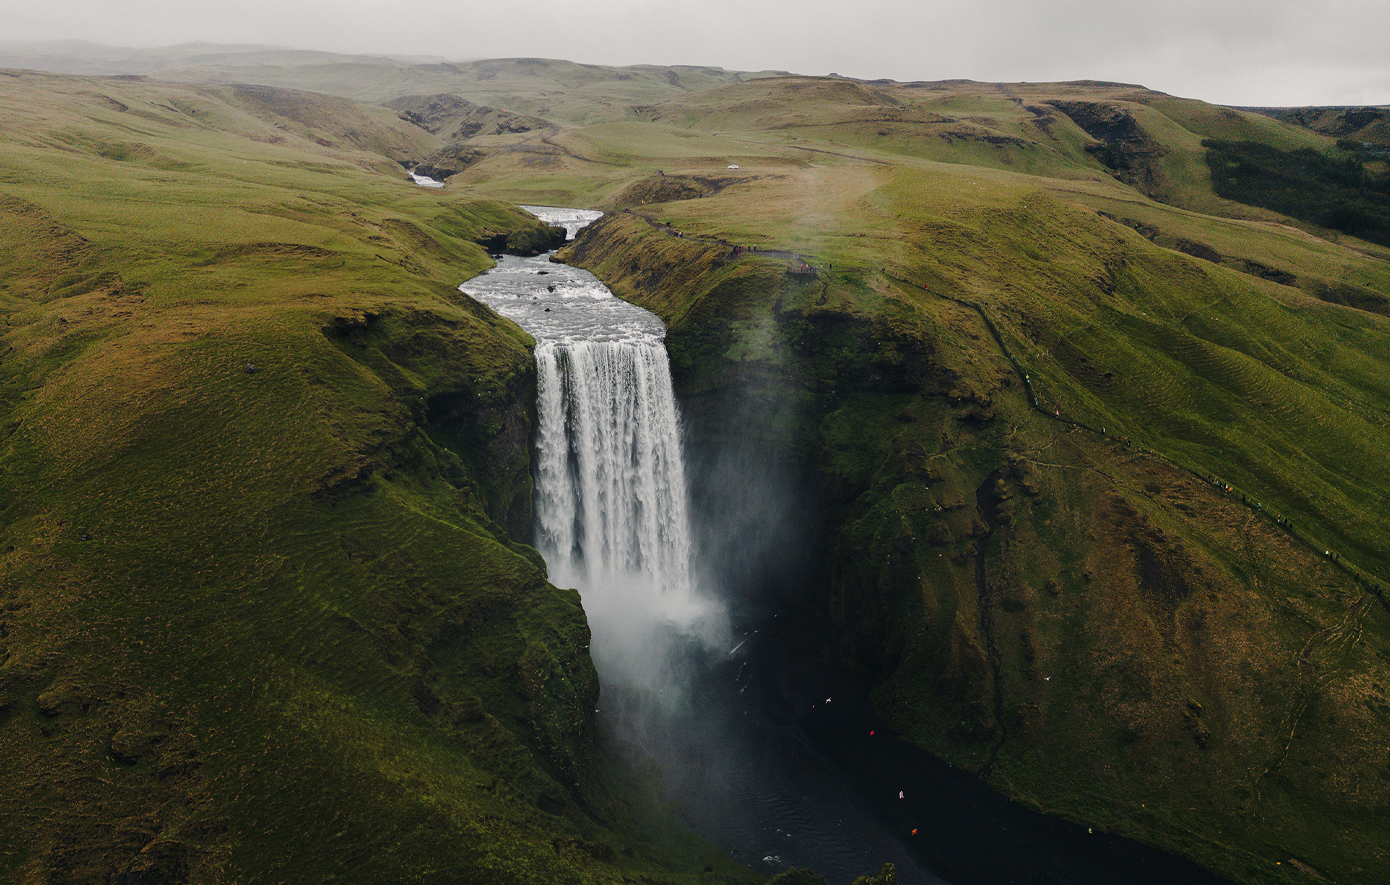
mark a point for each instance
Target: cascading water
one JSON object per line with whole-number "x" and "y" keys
{"x": 610, "y": 479}
{"x": 762, "y": 761}
{"x": 612, "y": 519}
{"x": 612, "y": 511}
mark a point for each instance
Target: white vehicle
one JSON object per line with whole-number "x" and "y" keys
{"x": 733, "y": 166}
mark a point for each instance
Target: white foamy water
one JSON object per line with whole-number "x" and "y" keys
{"x": 612, "y": 509}
{"x": 563, "y": 304}
{"x": 572, "y": 220}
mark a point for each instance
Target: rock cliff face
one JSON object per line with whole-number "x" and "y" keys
{"x": 480, "y": 423}
{"x": 1121, "y": 142}
{"x": 1087, "y": 625}
{"x": 457, "y": 119}
{"x": 1360, "y": 125}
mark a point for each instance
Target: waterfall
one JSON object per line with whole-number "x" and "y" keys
{"x": 612, "y": 510}
{"x": 611, "y": 499}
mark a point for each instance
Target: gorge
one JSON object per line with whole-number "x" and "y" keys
{"x": 713, "y": 678}
{"x": 612, "y": 510}
{"x": 1015, "y": 437}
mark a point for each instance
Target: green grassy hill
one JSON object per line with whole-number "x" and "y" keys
{"x": 262, "y": 613}
{"x": 564, "y": 91}
{"x": 1080, "y": 451}
{"x": 1098, "y": 433}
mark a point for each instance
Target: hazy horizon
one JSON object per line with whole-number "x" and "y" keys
{"x": 1238, "y": 52}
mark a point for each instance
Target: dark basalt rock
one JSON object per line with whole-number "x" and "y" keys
{"x": 1122, "y": 143}
{"x": 440, "y": 113}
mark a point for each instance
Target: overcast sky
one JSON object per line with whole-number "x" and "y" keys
{"x": 1239, "y": 52}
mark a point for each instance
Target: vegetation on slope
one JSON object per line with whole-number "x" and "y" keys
{"x": 1024, "y": 419}
{"x": 261, "y": 618}
{"x": 1099, "y": 454}
{"x": 1339, "y": 193}
{"x": 1357, "y": 125}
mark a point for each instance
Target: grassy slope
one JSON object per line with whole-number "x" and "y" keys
{"x": 559, "y": 90}
{"x": 256, "y": 623}
{"x": 1090, "y": 624}
{"x": 1095, "y": 626}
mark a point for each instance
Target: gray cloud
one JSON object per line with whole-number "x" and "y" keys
{"x": 1278, "y": 52}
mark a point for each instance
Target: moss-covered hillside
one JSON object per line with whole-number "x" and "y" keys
{"x": 262, "y": 613}
{"x": 1098, "y": 445}
{"x": 1077, "y": 487}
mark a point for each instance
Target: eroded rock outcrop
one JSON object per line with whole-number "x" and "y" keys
{"x": 1121, "y": 145}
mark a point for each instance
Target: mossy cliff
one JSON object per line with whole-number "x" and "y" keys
{"x": 263, "y": 470}
{"x": 1021, "y": 533}
{"x": 1097, "y": 485}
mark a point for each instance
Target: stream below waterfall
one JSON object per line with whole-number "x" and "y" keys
{"x": 770, "y": 754}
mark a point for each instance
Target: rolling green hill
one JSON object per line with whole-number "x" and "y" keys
{"x": 1098, "y": 439}
{"x": 1080, "y": 452}
{"x": 263, "y": 616}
